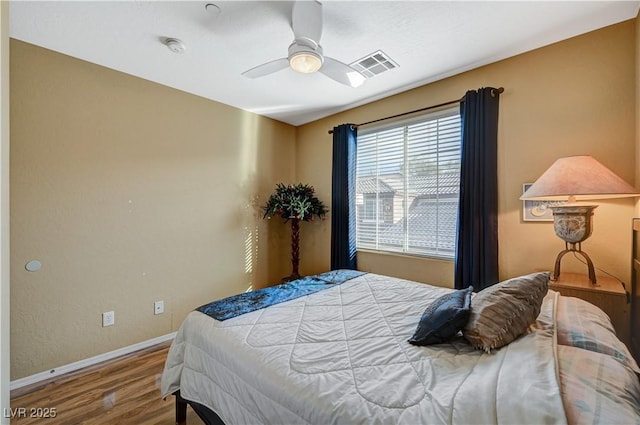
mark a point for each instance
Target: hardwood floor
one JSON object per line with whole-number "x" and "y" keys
{"x": 125, "y": 391}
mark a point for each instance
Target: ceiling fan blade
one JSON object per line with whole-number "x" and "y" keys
{"x": 306, "y": 20}
{"x": 341, "y": 72}
{"x": 267, "y": 68}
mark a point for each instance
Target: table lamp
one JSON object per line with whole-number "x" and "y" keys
{"x": 572, "y": 179}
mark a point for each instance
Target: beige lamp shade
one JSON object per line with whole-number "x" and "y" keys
{"x": 578, "y": 178}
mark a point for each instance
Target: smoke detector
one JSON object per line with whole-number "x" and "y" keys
{"x": 212, "y": 9}
{"x": 175, "y": 45}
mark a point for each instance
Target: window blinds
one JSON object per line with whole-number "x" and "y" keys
{"x": 407, "y": 186}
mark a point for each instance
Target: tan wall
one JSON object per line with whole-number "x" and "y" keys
{"x": 5, "y": 304}
{"x": 130, "y": 192}
{"x": 573, "y": 97}
{"x": 638, "y": 111}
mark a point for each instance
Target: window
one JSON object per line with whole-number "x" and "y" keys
{"x": 377, "y": 207}
{"x": 407, "y": 186}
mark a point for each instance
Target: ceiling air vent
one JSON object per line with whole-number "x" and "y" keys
{"x": 374, "y": 64}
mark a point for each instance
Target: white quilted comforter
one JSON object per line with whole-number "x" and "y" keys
{"x": 340, "y": 356}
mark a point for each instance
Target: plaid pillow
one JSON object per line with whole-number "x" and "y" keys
{"x": 597, "y": 389}
{"x": 583, "y": 325}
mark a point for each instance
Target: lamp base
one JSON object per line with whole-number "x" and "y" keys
{"x": 571, "y": 247}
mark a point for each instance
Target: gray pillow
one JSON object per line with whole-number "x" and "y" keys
{"x": 504, "y": 311}
{"x": 443, "y": 318}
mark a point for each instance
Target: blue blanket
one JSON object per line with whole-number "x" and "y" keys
{"x": 246, "y": 302}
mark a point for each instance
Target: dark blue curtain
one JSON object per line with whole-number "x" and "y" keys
{"x": 476, "y": 260}
{"x": 343, "y": 214}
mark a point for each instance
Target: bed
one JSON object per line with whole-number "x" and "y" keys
{"x": 340, "y": 355}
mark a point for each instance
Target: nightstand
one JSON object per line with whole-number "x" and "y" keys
{"x": 610, "y": 295}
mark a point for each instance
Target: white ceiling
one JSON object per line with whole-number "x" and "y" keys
{"x": 429, "y": 40}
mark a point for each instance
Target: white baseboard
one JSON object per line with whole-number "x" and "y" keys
{"x": 75, "y": 366}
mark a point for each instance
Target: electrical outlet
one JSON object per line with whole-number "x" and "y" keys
{"x": 108, "y": 318}
{"x": 158, "y": 307}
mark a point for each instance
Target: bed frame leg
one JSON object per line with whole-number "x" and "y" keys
{"x": 181, "y": 409}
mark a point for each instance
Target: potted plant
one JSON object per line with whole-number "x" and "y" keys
{"x": 295, "y": 203}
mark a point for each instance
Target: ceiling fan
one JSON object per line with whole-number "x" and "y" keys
{"x": 305, "y": 53}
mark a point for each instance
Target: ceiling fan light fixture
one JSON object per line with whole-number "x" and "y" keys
{"x": 305, "y": 62}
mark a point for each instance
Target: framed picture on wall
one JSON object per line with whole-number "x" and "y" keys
{"x": 537, "y": 210}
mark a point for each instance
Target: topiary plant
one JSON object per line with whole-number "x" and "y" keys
{"x": 295, "y": 203}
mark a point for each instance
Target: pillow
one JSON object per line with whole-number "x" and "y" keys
{"x": 597, "y": 389}
{"x": 583, "y": 325}
{"x": 504, "y": 311}
{"x": 443, "y": 318}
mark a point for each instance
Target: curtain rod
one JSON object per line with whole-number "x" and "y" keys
{"x": 451, "y": 102}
